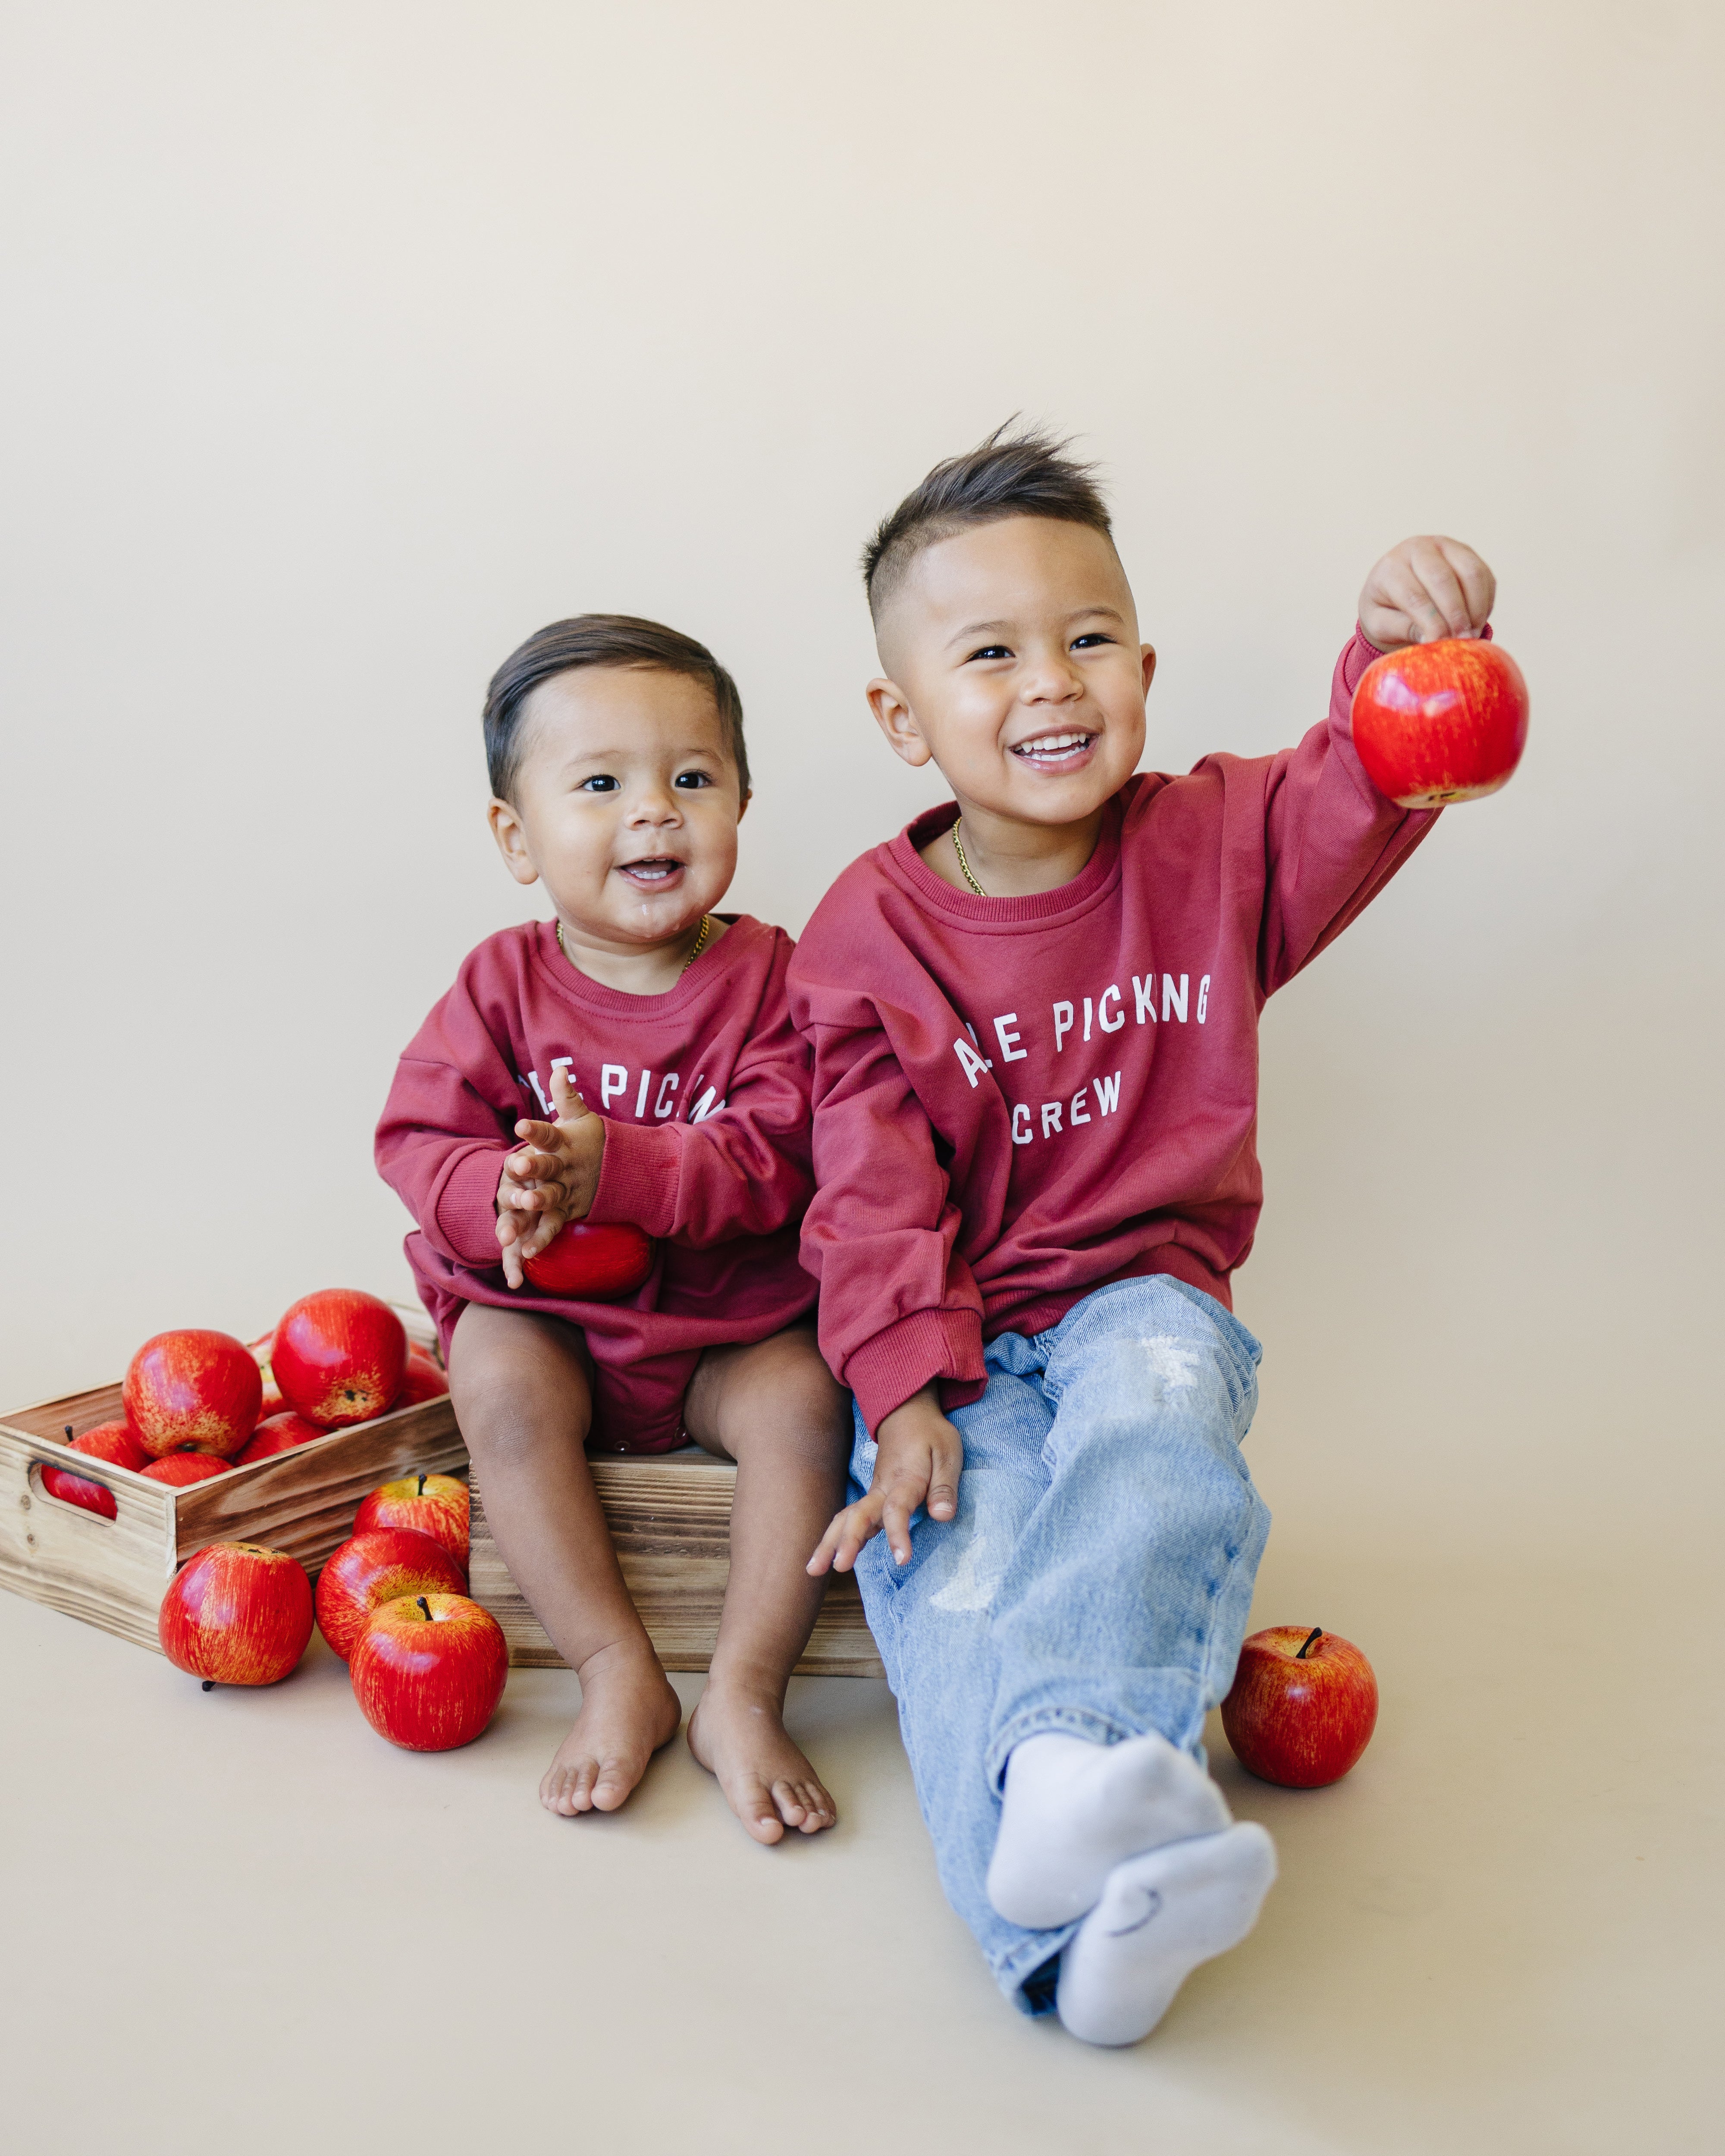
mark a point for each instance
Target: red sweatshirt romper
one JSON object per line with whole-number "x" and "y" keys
{"x": 704, "y": 1090}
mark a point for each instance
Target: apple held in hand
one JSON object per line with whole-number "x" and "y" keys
{"x": 370, "y": 1569}
{"x": 1302, "y": 1706}
{"x": 436, "y": 1505}
{"x": 430, "y": 1669}
{"x": 339, "y": 1357}
{"x": 278, "y": 1433}
{"x": 593, "y": 1263}
{"x": 192, "y": 1390}
{"x": 236, "y": 1614}
{"x": 1440, "y": 722}
{"x": 116, "y": 1443}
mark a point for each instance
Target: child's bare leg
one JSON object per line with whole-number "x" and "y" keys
{"x": 774, "y": 1408}
{"x": 524, "y": 1401}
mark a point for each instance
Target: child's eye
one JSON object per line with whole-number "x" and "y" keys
{"x": 1091, "y": 636}
{"x": 692, "y": 779}
{"x": 601, "y": 783}
{"x": 990, "y": 651}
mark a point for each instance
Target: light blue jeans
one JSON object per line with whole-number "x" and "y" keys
{"x": 1095, "y": 1580}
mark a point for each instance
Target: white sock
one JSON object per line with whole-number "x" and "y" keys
{"x": 1160, "y": 1915}
{"x": 1072, "y": 1810}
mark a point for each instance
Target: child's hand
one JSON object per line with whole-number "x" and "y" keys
{"x": 1424, "y": 589}
{"x": 919, "y": 1459}
{"x": 551, "y": 1181}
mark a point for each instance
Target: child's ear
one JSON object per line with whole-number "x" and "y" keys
{"x": 743, "y": 805}
{"x": 511, "y": 841}
{"x": 1147, "y": 659}
{"x": 896, "y": 720}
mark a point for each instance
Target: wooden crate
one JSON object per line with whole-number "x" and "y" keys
{"x": 669, "y": 1516}
{"x": 114, "y": 1572}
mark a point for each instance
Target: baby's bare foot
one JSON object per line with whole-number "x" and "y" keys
{"x": 627, "y": 1711}
{"x": 738, "y": 1735}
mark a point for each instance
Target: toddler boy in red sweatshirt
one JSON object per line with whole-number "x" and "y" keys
{"x": 631, "y": 1061}
{"x": 1033, "y": 1016}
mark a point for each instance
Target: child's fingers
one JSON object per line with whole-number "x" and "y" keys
{"x": 838, "y": 1547}
{"x": 946, "y": 1467}
{"x": 537, "y": 1134}
{"x": 567, "y": 1102}
{"x": 906, "y": 1493}
{"x": 1479, "y": 586}
{"x": 530, "y": 1165}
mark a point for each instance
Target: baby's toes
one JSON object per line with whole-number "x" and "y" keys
{"x": 792, "y": 1800}
{"x": 819, "y": 1809}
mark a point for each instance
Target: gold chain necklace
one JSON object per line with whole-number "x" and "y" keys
{"x": 958, "y": 848}
{"x": 707, "y": 930}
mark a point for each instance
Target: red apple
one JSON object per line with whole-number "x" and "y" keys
{"x": 589, "y": 1263}
{"x": 1302, "y": 1708}
{"x": 236, "y": 1614}
{"x": 1440, "y": 722}
{"x": 180, "y": 1470}
{"x": 428, "y": 1671}
{"x": 436, "y": 1505}
{"x": 119, "y": 1445}
{"x": 193, "y": 1391}
{"x": 278, "y": 1433}
{"x": 424, "y": 1381}
{"x": 339, "y": 1357}
{"x": 376, "y": 1568}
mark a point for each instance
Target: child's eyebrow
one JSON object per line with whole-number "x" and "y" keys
{"x": 997, "y": 628}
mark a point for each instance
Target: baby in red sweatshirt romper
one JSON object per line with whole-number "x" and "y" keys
{"x": 1034, "y": 1022}
{"x": 632, "y": 1061}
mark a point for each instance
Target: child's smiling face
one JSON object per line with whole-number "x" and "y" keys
{"x": 1015, "y": 662}
{"x": 626, "y": 803}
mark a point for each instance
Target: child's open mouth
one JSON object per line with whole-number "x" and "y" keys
{"x": 658, "y": 872}
{"x": 1056, "y": 752}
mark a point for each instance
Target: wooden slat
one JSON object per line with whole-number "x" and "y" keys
{"x": 669, "y": 1517}
{"x": 109, "y": 1572}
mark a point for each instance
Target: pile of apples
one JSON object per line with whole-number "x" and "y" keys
{"x": 427, "y": 1663}
{"x": 198, "y": 1403}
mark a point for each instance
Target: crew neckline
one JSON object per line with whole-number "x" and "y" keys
{"x": 740, "y": 929}
{"x": 1094, "y": 877}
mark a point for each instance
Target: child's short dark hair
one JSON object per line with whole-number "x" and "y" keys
{"x": 599, "y": 639}
{"x": 1025, "y": 474}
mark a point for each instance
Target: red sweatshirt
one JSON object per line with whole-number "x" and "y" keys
{"x": 1019, "y": 1100}
{"x": 706, "y": 1093}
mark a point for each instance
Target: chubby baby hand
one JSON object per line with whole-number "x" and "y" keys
{"x": 551, "y": 1181}
{"x": 1426, "y": 588}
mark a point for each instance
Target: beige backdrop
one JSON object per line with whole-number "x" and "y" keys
{"x": 346, "y": 344}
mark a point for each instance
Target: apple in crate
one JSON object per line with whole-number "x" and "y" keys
{"x": 193, "y": 1391}
{"x": 119, "y": 1445}
{"x": 1440, "y": 722}
{"x": 424, "y": 1380}
{"x": 1302, "y": 1708}
{"x": 339, "y": 1357}
{"x": 278, "y": 1433}
{"x": 259, "y": 1350}
{"x": 181, "y": 1469}
{"x": 436, "y": 1505}
{"x": 376, "y": 1568}
{"x": 430, "y": 1669}
{"x": 591, "y": 1262}
{"x": 237, "y": 1613}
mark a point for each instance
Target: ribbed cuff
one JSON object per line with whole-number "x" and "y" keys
{"x": 899, "y": 1361}
{"x": 466, "y": 1212}
{"x": 639, "y": 1171}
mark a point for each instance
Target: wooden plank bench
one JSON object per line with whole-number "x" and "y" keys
{"x": 670, "y": 1516}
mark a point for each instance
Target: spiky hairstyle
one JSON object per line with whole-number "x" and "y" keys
{"x": 1027, "y": 474}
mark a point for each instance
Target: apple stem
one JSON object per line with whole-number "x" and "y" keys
{"x": 1318, "y": 1633}
{"x": 209, "y": 1684}
{"x": 426, "y": 1607}
{"x": 420, "y": 1492}
{"x": 69, "y": 1433}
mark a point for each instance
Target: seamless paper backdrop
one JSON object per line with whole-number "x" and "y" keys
{"x": 346, "y": 345}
